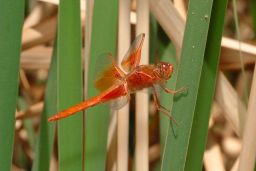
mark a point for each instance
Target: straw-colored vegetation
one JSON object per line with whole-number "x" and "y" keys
{"x": 211, "y": 44}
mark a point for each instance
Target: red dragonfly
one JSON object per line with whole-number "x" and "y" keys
{"x": 116, "y": 84}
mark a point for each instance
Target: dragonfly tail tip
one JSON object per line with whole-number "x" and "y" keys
{"x": 51, "y": 119}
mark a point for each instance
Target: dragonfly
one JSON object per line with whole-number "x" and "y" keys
{"x": 116, "y": 84}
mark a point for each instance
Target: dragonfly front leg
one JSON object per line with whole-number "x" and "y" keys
{"x": 162, "y": 109}
{"x": 170, "y": 91}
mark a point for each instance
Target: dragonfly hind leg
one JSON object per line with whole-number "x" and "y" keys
{"x": 161, "y": 108}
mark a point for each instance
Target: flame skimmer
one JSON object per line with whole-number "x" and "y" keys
{"x": 116, "y": 84}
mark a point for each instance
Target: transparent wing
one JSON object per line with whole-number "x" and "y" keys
{"x": 132, "y": 57}
{"x": 119, "y": 102}
{"x": 107, "y": 72}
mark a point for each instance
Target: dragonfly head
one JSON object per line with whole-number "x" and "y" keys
{"x": 165, "y": 70}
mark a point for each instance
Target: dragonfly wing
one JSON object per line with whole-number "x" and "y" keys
{"x": 116, "y": 96}
{"x": 132, "y": 57}
{"x": 119, "y": 102}
{"x": 107, "y": 72}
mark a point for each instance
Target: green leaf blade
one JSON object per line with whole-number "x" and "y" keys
{"x": 69, "y": 85}
{"x": 44, "y": 144}
{"x": 104, "y": 40}
{"x": 206, "y": 89}
{"x": 12, "y": 13}
{"x": 189, "y": 74}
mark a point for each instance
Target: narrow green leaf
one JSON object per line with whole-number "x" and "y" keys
{"x": 69, "y": 85}
{"x": 153, "y": 43}
{"x": 191, "y": 62}
{"x": 104, "y": 36}
{"x": 166, "y": 99}
{"x": 207, "y": 87}
{"x": 11, "y": 18}
{"x": 46, "y": 133}
{"x": 161, "y": 49}
{"x": 253, "y": 12}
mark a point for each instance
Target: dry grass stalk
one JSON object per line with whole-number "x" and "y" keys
{"x": 112, "y": 143}
{"x": 170, "y": 20}
{"x": 53, "y": 163}
{"x": 124, "y": 33}
{"x": 56, "y": 2}
{"x": 40, "y": 12}
{"x": 87, "y": 42}
{"x": 242, "y": 82}
{"x": 235, "y": 166}
{"x": 230, "y": 103}
{"x": 24, "y": 80}
{"x": 154, "y": 153}
{"x": 38, "y": 57}
{"x": 231, "y": 146}
{"x": 213, "y": 157}
{"x": 215, "y": 112}
{"x": 32, "y": 111}
{"x": 248, "y": 155}
{"x": 141, "y": 145}
{"x": 181, "y": 7}
{"x": 42, "y": 33}
{"x": 230, "y": 53}
{"x": 16, "y": 168}
{"x": 22, "y": 138}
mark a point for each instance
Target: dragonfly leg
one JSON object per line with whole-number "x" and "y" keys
{"x": 170, "y": 91}
{"x": 161, "y": 108}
